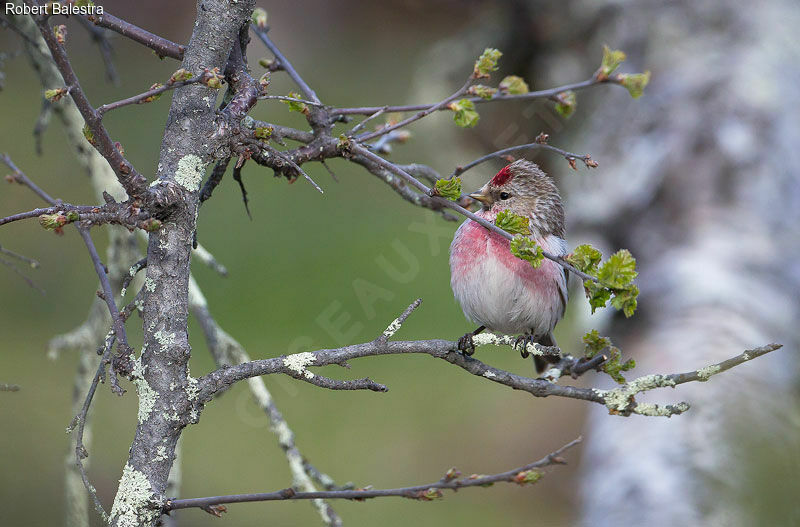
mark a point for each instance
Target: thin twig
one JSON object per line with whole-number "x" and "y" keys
{"x": 542, "y": 94}
{"x": 287, "y": 66}
{"x": 569, "y": 156}
{"x": 290, "y": 99}
{"x": 290, "y": 162}
{"x": 427, "y": 111}
{"x": 106, "y": 51}
{"x": 360, "y": 125}
{"x": 162, "y": 46}
{"x": 140, "y": 98}
{"x": 428, "y": 492}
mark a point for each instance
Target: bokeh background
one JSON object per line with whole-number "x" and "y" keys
{"x": 307, "y": 258}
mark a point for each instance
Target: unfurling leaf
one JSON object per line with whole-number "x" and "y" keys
{"x": 527, "y": 476}
{"x": 452, "y": 474}
{"x": 513, "y": 85}
{"x": 585, "y": 258}
{"x": 88, "y": 134}
{"x": 626, "y": 300}
{"x": 635, "y": 82}
{"x": 614, "y": 278}
{"x": 151, "y": 98}
{"x": 53, "y": 221}
{"x": 566, "y": 103}
{"x": 595, "y": 344}
{"x": 448, "y": 188}
{"x": 597, "y": 294}
{"x": 513, "y": 223}
{"x": 180, "y": 75}
{"x": 526, "y": 249}
{"x": 212, "y": 78}
{"x": 259, "y": 18}
{"x": 296, "y": 106}
{"x": 430, "y": 494}
{"x": 263, "y": 132}
{"x": 484, "y": 92}
{"x": 486, "y": 63}
{"x": 619, "y": 270}
{"x": 55, "y": 95}
{"x": 612, "y": 58}
{"x": 465, "y": 114}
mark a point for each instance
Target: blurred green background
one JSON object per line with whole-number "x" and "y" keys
{"x": 302, "y": 256}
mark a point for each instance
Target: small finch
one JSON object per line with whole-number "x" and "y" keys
{"x": 497, "y": 290}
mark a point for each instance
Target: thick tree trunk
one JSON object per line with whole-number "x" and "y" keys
{"x": 166, "y": 390}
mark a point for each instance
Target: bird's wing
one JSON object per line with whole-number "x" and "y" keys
{"x": 563, "y": 290}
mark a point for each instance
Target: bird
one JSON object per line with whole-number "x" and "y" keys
{"x": 497, "y": 290}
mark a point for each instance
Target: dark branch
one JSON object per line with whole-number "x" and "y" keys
{"x": 134, "y": 183}
{"x": 162, "y": 46}
{"x": 450, "y": 481}
{"x": 285, "y": 64}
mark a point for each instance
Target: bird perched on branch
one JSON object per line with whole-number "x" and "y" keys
{"x": 497, "y": 290}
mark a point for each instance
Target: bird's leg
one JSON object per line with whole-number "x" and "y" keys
{"x": 522, "y": 344}
{"x": 466, "y": 344}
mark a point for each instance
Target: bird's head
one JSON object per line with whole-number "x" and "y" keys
{"x": 524, "y": 189}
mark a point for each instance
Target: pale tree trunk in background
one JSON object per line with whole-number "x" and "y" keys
{"x": 121, "y": 253}
{"x": 699, "y": 179}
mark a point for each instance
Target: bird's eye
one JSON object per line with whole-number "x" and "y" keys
{"x": 505, "y": 195}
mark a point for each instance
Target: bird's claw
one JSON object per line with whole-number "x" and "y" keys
{"x": 466, "y": 344}
{"x": 522, "y": 345}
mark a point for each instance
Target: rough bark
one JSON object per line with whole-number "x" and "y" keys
{"x": 165, "y": 387}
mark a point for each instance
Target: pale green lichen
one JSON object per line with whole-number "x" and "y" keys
{"x": 165, "y": 339}
{"x": 149, "y": 285}
{"x": 703, "y": 374}
{"x": 489, "y": 374}
{"x": 192, "y": 388}
{"x": 485, "y": 339}
{"x": 619, "y": 399}
{"x": 147, "y": 396}
{"x": 132, "y": 503}
{"x": 392, "y": 328}
{"x": 161, "y": 453}
{"x": 653, "y": 410}
{"x": 190, "y": 172}
{"x": 298, "y": 362}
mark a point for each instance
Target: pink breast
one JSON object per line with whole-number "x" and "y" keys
{"x": 475, "y": 243}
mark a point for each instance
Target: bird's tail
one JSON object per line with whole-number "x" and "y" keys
{"x": 540, "y": 361}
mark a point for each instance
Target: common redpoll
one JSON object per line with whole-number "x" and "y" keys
{"x": 497, "y": 290}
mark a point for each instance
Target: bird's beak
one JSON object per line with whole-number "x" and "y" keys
{"x": 482, "y": 196}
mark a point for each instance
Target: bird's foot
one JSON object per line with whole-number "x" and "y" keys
{"x": 522, "y": 345}
{"x": 466, "y": 344}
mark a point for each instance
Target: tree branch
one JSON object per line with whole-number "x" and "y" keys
{"x": 285, "y": 64}
{"x": 569, "y": 156}
{"x": 162, "y": 46}
{"x": 619, "y": 401}
{"x": 450, "y": 481}
{"x": 134, "y": 183}
{"x": 542, "y": 94}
